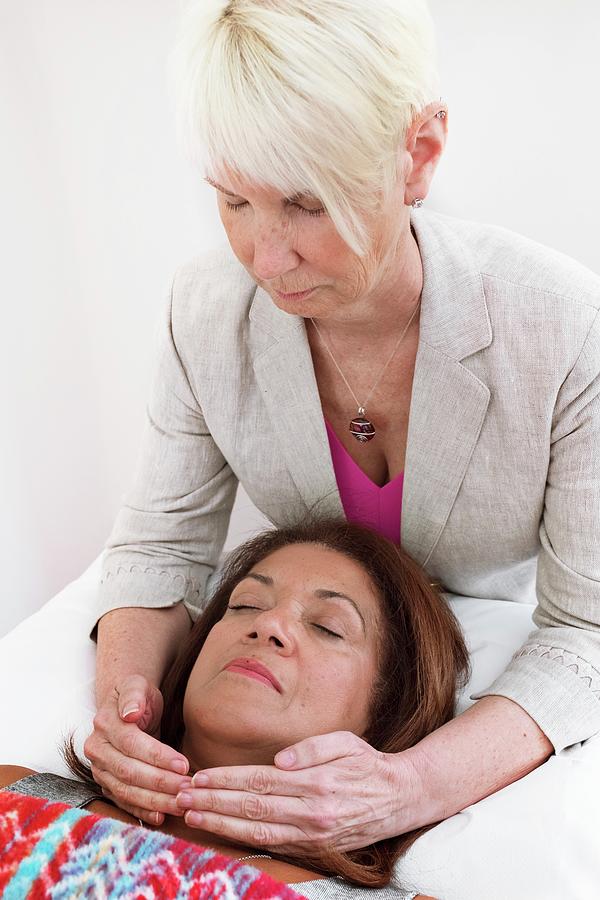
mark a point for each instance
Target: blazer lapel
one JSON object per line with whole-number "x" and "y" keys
{"x": 449, "y": 403}
{"x": 284, "y": 372}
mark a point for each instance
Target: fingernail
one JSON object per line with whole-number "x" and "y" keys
{"x": 186, "y": 783}
{"x": 184, "y": 800}
{"x": 286, "y": 758}
{"x": 193, "y": 818}
{"x": 129, "y": 710}
{"x": 199, "y": 779}
{"x": 179, "y": 766}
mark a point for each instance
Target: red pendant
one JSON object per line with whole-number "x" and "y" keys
{"x": 361, "y": 428}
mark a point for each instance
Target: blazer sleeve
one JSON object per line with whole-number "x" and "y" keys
{"x": 169, "y": 533}
{"x": 555, "y": 675}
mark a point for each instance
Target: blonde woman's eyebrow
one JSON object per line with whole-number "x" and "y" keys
{"x": 219, "y": 187}
{"x": 321, "y": 593}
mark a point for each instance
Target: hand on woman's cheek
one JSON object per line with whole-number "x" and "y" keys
{"x": 319, "y": 649}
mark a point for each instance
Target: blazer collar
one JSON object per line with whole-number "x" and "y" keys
{"x": 454, "y": 314}
{"x": 272, "y": 320}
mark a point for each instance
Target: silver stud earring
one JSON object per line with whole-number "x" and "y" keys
{"x": 417, "y": 203}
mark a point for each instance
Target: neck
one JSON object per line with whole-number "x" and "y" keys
{"x": 206, "y": 753}
{"x": 386, "y": 309}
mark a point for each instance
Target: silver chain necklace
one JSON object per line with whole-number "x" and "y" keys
{"x": 360, "y": 427}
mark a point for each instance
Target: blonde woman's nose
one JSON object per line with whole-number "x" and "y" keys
{"x": 274, "y": 257}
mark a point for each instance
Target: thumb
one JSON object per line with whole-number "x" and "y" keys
{"x": 320, "y": 749}
{"x": 132, "y": 703}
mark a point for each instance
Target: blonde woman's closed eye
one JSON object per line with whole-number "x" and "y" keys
{"x": 309, "y": 212}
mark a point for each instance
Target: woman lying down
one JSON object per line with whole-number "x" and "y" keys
{"x": 315, "y": 629}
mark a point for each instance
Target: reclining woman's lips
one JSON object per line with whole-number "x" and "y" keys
{"x": 252, "y": 668}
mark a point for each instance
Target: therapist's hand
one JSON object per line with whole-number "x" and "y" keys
{"x": 341, "y": 790}
{"x": 338, "y": 790}
{"x": 134, "y": 769}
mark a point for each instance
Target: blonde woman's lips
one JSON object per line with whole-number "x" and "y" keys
{"x": 299, "y": 296}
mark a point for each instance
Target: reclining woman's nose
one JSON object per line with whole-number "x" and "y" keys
{"x": 273, "y": 625}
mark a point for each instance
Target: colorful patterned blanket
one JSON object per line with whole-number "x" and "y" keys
{"x": 51, "y": 850}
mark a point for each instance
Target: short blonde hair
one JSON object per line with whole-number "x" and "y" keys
{"x": 304, "y": 96}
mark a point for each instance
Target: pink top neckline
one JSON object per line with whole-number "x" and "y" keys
{"x": 364, "y": 501}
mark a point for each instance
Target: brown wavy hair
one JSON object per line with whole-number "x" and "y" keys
{"x": 423, "y": 661}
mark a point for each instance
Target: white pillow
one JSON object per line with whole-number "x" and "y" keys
{"x": 47, "y": 673}
{"x": 537, "y": 838}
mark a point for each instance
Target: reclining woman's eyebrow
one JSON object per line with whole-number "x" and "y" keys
{"x": 326, "y": 594}
{"x": 322, "y": 593}
{"x": 293, "y": 199}
{"x": 264, "y": 579}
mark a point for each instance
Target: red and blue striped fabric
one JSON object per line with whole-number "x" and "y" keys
{"x": 51, "y": 850}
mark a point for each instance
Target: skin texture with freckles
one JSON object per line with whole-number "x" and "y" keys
{"x": 284, "y": 248}
{"x": 361, "y": 304}
{"x": 234, "y": 719}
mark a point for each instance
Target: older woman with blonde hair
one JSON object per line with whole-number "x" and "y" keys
{"x": 349, "y": 352}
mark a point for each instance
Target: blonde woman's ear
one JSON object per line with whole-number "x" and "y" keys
{"x": 425, "y": 142}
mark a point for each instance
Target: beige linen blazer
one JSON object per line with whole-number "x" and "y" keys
{"x": 502, "y": 475}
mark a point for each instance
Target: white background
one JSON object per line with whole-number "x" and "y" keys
{"x": 98, "y": 209}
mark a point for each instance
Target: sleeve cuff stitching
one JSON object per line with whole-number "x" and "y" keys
{"x": 149, "y": 570}
{"x": 581, "y": 667}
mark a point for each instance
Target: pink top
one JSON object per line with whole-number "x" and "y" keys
{"x": 364, "y": 501}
